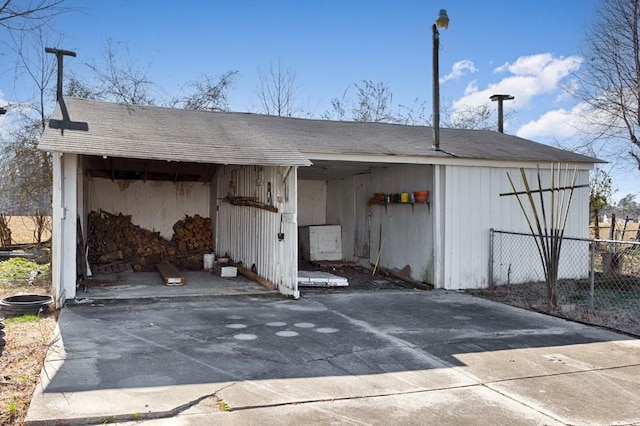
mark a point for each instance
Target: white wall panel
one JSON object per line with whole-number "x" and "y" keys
{"x": 153, "y": 205}
{"x": 312, "y": 202}
{"x": 249, "y": 234}
{"x": 406, "y": 229}
{"x": 473, "y": 205}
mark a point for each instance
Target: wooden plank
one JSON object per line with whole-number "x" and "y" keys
{"x": 170, "y": 274}
{"x": 255, "y": 277}
{"x": 533, "y": 191}
{"x": 333, "y": 264}
{"x": 112, "y": 268}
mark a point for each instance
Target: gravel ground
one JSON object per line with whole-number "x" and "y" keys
{"x": 614, "y": 308}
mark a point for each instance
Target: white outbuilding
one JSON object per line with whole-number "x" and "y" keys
{"x": 158, "y": 164}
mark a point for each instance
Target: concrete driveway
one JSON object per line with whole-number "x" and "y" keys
{"x": 407, "y": 357}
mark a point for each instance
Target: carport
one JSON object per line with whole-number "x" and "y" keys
{"x": 158, "y": 164}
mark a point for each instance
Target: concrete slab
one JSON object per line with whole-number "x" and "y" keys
{"x": 149, "y": 285}
{"x": 410, "y": 357}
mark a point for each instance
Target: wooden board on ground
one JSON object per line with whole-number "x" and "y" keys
{"x": 255, "y": 277}
{"x": 112, "y": 268}
{"x": 170, "y": 275}
{"x": 92, "y": 282}
{"x": 333, "y": 264}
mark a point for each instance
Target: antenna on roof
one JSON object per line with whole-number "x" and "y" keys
{"x": 500, "y": 99}
{"x": 59, "y": 54}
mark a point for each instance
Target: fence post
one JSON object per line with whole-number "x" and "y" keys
{"x": 491, "y": 235}
{"x": 592, "y": 272}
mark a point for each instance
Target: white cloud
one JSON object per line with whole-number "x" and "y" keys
{"x": 458, "y": 70}
{"x": 528, "y": 77}
{"x": 559, "y": 123}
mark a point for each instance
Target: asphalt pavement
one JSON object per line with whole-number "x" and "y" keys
{"x": 406, "y": 357}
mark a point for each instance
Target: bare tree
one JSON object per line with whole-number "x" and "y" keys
{"x": 478, "y": 117}
{"x": 338, "y": 110}
{"x": 599, "y": 195}
{"x": 28, "y": 15}
{"x": 117, "y": 79}
{"x": 5, "y": 231}
{"x": 373, "y": 103}
{"x": 208, "y": 94}
{"x": 414, "y": 115}
{"x": 610, "y": 77}
{"x": 42, "y": 224}
{"x": 38, "y": 68}
{"x": 277, "y": 90}
{"x": 25, "y": 171}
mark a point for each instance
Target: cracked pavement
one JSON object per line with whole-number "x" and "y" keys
{"x": 407, "y": 356}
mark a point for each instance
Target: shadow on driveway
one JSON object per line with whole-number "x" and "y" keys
{"x": 161, "y": 359}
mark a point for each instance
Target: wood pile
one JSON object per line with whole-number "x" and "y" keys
{"x": 193, "y": 234}
{"x": 114, "y": 239}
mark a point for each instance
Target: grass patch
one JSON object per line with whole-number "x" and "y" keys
{"x": 12, "y": 408}
{"x": 22, "y": 319}
{"x": 223, "y": 406}
{"x": 17, "y": 269}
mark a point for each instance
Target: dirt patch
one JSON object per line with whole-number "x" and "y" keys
{"x": 359, "y": 278}
{"x": 616, "y": 307}
{"x": 21, "y": 363}
{"x": 27, "y": 340}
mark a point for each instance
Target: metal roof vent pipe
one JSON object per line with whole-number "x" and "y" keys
{"x": 500, "y": 99}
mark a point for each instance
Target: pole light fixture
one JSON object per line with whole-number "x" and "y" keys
{"x": 441, "y": 22}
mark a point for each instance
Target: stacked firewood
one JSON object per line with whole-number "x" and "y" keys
{"x": 115, "y": 239}
{"x": 193, "y": 234}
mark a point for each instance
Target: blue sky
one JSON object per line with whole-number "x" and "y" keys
{"x": 526, "y": 48}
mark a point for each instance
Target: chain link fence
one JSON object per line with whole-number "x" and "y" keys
{"x": 598, "y": 280}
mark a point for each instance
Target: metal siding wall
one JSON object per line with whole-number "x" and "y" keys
{"x": 312, "y": 202}
{"x": 342, "y": 196}
{"x": 473, "y": 205}
{"x": 68, "y": 234}
{"x": 466, "y": 203}
{"x": 407, "y": 229}
{"x": 249, "y": 234}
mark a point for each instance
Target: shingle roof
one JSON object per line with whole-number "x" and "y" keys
{"x": 131, "y": 131}
{"x": 244, "y": 138}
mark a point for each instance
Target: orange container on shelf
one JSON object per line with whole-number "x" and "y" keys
{"x": 421, "y": 196}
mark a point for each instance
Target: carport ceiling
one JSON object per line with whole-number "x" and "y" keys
{"x": 135, "y": 169}
{"x": 333, "y": 170}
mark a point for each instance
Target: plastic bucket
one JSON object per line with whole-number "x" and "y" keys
{"x": 208, "y": 260}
